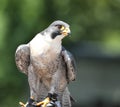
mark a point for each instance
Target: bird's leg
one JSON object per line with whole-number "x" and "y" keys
{"x": 48, "y": 99}
{"x": 28, "y": 104}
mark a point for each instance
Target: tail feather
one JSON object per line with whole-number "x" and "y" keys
{"x": 66, "y": 100}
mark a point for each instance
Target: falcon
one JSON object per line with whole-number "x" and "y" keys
{"x": 48, "y": 65}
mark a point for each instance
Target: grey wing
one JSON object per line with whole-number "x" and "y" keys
{"x": 70, "y": 65}
{"x": 22, "y": 58}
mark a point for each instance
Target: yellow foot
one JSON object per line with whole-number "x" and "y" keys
{"x": 22, "y": 104}
{"x": 25, "y": 105}
{"x": 44, "y": 102}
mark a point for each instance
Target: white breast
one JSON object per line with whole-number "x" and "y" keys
{"x": 44, "y": 45}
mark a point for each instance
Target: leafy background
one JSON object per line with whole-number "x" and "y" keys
{"x": 95, "y": 43}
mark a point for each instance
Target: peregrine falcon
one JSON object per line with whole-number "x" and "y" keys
{"x": 48, "y": 65}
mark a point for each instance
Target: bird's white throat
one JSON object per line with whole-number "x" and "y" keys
{"x": 45, "y": 45}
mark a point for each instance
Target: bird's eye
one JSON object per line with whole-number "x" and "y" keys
{"x": 61, "y": 27}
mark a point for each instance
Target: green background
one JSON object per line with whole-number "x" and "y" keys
{"x": 95, "y": 43}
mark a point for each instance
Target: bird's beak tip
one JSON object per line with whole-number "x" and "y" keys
{"x": 69, "y": 33}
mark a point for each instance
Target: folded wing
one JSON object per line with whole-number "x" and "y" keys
{"x": 70, "y": 65}
{"x": 22, "y": 58}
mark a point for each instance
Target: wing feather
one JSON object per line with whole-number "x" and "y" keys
{"x": 70, "y": 64}
{"x": 22, "y": 58}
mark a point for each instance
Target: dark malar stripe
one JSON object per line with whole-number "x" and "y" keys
{"x": 54, "y": 34}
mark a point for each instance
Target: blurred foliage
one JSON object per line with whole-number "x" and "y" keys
{"x": 20, "y": 20}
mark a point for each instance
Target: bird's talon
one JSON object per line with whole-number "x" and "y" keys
{"x": 22, "y": 104}
{"x": 30, "y": 102}
{"x": 43, "y": 103}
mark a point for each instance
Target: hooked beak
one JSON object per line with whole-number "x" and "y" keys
{"x": 66, "y": 31}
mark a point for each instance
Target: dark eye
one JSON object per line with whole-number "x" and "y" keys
{"x": 61, "y": 27}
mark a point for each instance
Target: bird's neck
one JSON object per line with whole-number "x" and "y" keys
{"x": 56, "y": 45}
{"x": 39, "y": 45}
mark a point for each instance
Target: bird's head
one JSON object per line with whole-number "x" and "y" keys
{"x": 58, "y": 29}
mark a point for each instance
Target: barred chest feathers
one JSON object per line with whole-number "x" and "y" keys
{"x": 45, "y": 55}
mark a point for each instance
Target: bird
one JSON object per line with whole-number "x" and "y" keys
{"x": 48, "y": 66}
